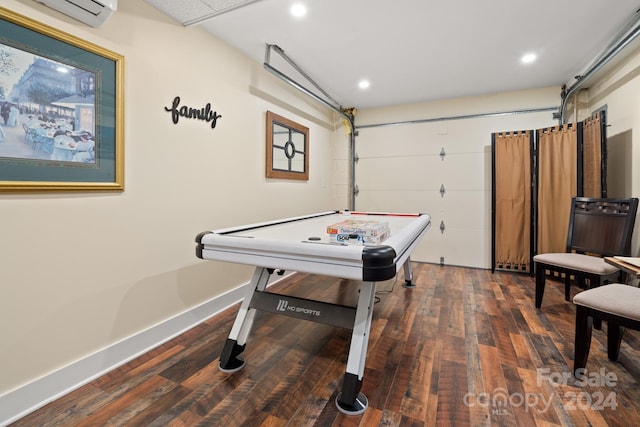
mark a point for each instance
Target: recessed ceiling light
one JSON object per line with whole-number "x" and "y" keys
{"x": 528, "y": 58}
{"x": 298, "y": 10}
{"x": 364, "y": 84}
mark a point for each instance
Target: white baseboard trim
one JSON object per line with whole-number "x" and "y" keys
{"x": 26, "y": 399}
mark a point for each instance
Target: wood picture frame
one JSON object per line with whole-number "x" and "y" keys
{"x": 287, "y": 148}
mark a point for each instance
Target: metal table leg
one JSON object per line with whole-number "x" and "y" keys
{"x": 408, "y": 274}
{"x": 350, "y": 401}
{"x": 229, "y": 360}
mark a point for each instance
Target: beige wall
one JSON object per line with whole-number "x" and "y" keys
{"x": 82, "y": 271}
{"x": 619, "y": 92}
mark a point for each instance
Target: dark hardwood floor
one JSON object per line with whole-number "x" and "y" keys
{"x": 464, "y": 348}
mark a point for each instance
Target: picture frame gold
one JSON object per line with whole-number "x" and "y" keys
{"x": 59, "y": 84}
{"x": 287, "y": 148}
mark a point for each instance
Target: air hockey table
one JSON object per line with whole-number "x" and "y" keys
{"x": 302, "y": 244}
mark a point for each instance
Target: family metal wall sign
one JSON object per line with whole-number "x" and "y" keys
{"x": 204, "y": 114}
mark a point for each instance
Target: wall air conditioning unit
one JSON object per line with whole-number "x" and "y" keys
{"x": 91, "y": 12}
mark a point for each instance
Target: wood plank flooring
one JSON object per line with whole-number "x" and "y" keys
{"x": 466, "y": 347}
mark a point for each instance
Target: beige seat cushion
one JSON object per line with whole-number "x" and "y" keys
{"x": 586, "y": 263}
{"x": 621, "y": 300}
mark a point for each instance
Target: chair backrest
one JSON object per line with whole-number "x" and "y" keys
{"x": 601, "y": 227}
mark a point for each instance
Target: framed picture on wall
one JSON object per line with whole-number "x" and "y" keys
{"x": 287, "y": 148}
{"x": 61, "y": 110}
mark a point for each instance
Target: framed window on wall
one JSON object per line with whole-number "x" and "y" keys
{"x": 287, "y": 149}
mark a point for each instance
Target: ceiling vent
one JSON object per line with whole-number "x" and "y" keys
{"x": 91, "y": 12}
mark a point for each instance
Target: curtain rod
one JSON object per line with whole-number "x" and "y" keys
{"x": 467, "y": 116}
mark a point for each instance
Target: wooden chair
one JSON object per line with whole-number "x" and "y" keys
{"x": 618, "y": 305}
{"x": 597, "y": 228}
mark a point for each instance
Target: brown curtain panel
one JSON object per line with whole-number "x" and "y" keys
{"x": 592, "y": 156}
{"x": 512, "y": 194}
{"x": 557, "y": 183}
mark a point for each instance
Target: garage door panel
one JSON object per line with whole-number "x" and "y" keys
{"x": 466, "y": 209}
{"x": 397, "y": 141}
{"x": 430, "y": 138}
{"x": 466, "y": 172}
{"x": 398, "y": 201}
{"x": 460, "y": 209}
{"x": 458, "y": 247}
{"x": 465, "y": 229}
{"x": 459, "y": 172}
{"x": 399, "y": 173}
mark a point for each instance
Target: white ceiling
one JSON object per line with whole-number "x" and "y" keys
{"x": 417, "y": 50}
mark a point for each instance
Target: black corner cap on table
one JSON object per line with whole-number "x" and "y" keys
{"x": 199, "y": 245}
{"x": 378, "y": 263}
